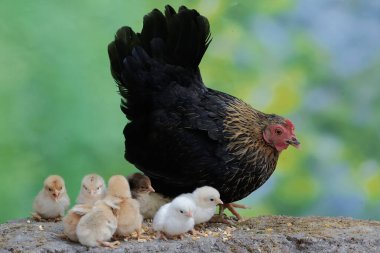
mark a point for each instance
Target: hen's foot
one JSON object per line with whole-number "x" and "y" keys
{"x": 231, "y": 207}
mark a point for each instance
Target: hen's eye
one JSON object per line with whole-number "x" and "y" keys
{"x": 278, "y": 131}
{"x": 211, "y": 199}
{"x": 180, "y": 211}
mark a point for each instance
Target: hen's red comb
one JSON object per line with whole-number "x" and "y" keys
{"x": 290, "y": 124}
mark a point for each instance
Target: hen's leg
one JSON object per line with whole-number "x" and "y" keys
{"x": 231, "y": 207}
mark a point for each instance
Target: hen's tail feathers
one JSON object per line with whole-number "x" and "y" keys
{"x": 179, "y": 39}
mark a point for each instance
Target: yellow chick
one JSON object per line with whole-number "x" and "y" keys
{"x": 92, "y": 189}
{"x": 52, "y": 201}
{"x": 97, "y": 227}
{"x": 129, "y": 217}
{"x": 143, "y": 192}
{"x": 71, "y": 220}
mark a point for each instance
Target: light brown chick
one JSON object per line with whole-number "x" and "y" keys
{"x": 97, "y": 227}
{"x": 129, "y": 217}
{"x": 71, "y": 220}
{"x": 143, "y": 192}
{"x": 52, "y": 201}
{"x": 92, "y": 189}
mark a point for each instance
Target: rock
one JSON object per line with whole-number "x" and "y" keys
{"x": 260, "y": 234}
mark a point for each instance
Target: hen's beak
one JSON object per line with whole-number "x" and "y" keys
{"x": 150, "y": 189}
{"x": 219, "y": 202}
{"x": 189, "y": 214}
{"x": 294, "y": 142}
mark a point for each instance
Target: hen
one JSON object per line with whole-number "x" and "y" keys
{"x": 182, "y": 134}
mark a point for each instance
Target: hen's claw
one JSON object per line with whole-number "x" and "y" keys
{"x": 231, "y": 207}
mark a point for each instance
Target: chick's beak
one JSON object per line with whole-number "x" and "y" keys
{"x": 150, "y": 189}
{"x": 294, "y": 142}
{"x": 56, "y": 195}
{"x": 189, "y": 214}
{"x": 219, "y": 202}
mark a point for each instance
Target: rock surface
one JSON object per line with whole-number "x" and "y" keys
{"x": 260, "y": 234}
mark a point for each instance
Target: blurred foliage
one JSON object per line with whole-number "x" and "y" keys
{"x": 315, "y": 62}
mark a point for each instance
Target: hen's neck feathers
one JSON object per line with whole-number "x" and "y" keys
{"x": 243, "y": 128}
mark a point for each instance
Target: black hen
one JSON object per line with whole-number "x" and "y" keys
{"x": 182, "y": 134}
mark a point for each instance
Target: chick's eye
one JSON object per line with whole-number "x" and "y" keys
{"x": 278, "y": 131}
{"x": 180, "y": 211}
{"x": 211, "y": 199}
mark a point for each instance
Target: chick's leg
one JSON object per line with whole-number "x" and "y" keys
{"x": 161, "y": 235}
{"x": 112, "y": 245}
{"x": 194, "y": 232}
{"x": 139, "y": 235}
{"x": 57, "y": 219}
{"x": 37, "y": 217}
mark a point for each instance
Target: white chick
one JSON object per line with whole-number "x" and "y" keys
{"x": 143, "y": 192}
{"x": 52, "y": 201}
{"x": 175, "y": 218}
{"x": 206, "y": 199}
{"x": 97, "y": 227}
{"x": 92, "y": 189}
{"x": 129, "y": 217}
{"x": 71, "y": 220}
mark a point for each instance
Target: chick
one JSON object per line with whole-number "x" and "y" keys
{"x": 97, "y": 226}
{"x": 92, "y": 189}
{"x": 52, "y": 201}
{"x": 206, "y": 199}
{"x": 129, "y": 217}
{"x": 71, "y": 220}
{"x": 175, "y": 218}
{"x": 143, "y": 192}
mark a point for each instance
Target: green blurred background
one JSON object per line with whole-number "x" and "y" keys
{"x": 316, "y": 62}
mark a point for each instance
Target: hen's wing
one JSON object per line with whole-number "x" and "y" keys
{"x": 182, "y": 146}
